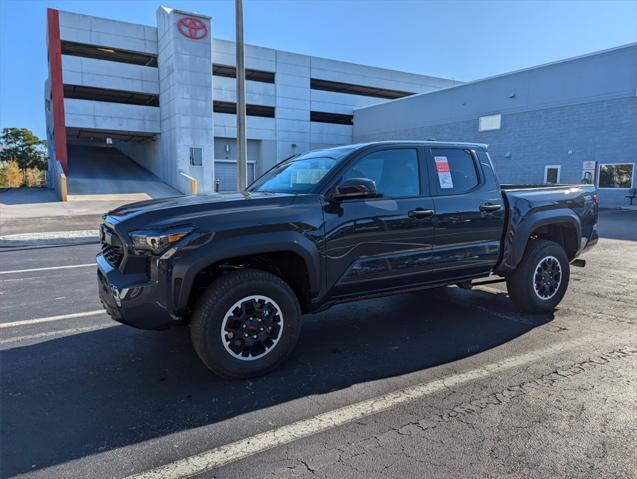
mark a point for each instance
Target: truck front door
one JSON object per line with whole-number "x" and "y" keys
{"x": 377, "y": 244}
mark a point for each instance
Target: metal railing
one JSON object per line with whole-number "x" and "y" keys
{"x": 192, "y": 181}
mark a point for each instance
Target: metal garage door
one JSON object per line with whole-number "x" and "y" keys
{"x": 226, "y": 175}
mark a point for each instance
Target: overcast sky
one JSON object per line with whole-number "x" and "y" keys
{"x": 460, "y": 40}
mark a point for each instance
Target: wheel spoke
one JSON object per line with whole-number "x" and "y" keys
{"x": 547, "y": 278}
{"x": 252, "y": 327}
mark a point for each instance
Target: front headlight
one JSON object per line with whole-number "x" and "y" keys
{"x": 157, "y": 241}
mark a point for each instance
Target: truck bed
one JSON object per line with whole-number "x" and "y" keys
{"x": 542, "y": 186}
{"x": 532, "y": 205}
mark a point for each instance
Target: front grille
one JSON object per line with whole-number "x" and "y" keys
{"x": 112, "y": 250}
{"x": 112, "y": 255}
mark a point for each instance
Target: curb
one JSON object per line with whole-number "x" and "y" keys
{"x": 50, "y": 238}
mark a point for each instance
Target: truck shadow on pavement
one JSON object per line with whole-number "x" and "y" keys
{"x": 85, "y": 394}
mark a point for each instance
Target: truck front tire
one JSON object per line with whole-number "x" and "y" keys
{"x": 540, "y": 280}
{"x": 245, "y": 324}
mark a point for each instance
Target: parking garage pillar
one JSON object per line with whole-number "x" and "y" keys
{"x": 185, "y": 97}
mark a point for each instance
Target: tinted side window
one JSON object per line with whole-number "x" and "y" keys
{"x": 454, "y": 170}
{"x": 394, "y": 171}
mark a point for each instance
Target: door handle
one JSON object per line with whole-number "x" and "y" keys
{"x": 489, "y": 207}
{"x": 420, "y": 213}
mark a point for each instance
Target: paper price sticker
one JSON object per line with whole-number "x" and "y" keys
{"x": 444, "y": 173}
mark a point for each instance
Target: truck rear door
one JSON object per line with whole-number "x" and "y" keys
{"x": 468, "y": 212}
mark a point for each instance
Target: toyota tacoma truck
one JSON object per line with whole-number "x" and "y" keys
{"x": 331, "y": 226}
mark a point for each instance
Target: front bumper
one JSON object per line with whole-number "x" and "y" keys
{"x": 132, "y": 299}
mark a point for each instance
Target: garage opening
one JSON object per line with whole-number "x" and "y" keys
{"x": 109, "y": 95}
{"x": 226, "y": 175}
{"x": 101, "y": 168}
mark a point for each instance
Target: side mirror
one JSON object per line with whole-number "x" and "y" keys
{"x": 355, "y": 188}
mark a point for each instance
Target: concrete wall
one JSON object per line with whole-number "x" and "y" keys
{"x": 103, "y": 115}
{"x": 584, "y": 109}
{"x": 293, "y": 99}
{"x": 145, "y": 153}
{"x": 257, "y": 128}
{"x": 257, "y": 93}
{"x": 254, "y": 148}
{"x": 292, "y": 104}
{"x": 105, "y": 32}
{"x": 112, "y": 75}
{"x": 53, "y": 163}
{"x": 328, "y": 69}
{"x": 185, "y": 81}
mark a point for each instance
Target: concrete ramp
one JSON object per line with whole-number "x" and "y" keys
{"x": 99, "y": 173}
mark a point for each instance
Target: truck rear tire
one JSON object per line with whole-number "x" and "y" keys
{"x": 540, "y": 280}
{"x": 245, "y": 324}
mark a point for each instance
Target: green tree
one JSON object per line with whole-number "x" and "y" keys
{"x": 23, "y": 147}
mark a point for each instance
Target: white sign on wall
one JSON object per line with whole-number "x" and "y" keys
{"x": 589, "y": 169}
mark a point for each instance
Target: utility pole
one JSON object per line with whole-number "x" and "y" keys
{"x": 242, "y": 146}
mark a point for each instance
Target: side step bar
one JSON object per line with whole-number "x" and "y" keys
{"x": 580, "y": 263}
{"x": 471, "y": 284}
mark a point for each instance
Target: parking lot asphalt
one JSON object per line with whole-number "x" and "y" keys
{"x": 442, "y": 383}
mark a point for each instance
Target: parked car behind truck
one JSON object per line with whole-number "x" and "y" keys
{"x": 331, "y": 226}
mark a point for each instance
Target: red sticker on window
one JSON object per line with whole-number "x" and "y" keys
{"x": 444, "y": 173}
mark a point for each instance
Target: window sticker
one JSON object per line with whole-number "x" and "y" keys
{"x": 308, "y": 177}
{"x": 444, "y": 174}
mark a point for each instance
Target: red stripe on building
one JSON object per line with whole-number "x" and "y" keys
{"x": 57, "y": 87}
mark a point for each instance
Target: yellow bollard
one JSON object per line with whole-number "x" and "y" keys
{"x": 63, "y": 189}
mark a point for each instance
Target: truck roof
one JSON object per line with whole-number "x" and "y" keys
{"x": 432, "y": 143}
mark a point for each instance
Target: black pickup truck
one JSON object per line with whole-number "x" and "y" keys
{"x": 332, "y": 226}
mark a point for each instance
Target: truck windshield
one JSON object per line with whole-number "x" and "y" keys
{"x": 296, "y": 175}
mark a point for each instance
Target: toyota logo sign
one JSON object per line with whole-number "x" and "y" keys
{"x": 192, "y": 28}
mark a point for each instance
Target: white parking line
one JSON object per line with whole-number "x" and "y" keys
{"x": 235, "y": 451}
{"x": 59, "y": 332}
{"x": 28, "y": 322}
{"x": 17, "y": 271}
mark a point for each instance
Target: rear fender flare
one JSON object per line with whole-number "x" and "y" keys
{"x": 517, "y": 236}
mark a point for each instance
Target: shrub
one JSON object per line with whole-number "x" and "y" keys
{"x": 11, "y": 175}
{"x": 35, "y": 178}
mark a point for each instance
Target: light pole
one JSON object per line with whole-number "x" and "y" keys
{"x": 242, "y": 147}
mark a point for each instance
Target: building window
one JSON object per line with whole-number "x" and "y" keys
{"x": 336, "y": 118}
{"x": 251, "y": 74}
{"x": 489, "y": 122}
{"x": 352, "y": 89}
{"x": 552, "y": 174}
{"x": 196, "y": 156}
{"x": 251, "y": 110}
{"x": 616, "y": 175}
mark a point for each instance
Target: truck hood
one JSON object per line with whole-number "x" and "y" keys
{"x": 180, "y": 209}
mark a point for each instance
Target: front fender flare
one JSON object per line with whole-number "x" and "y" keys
{"x": 186, "y": 269}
